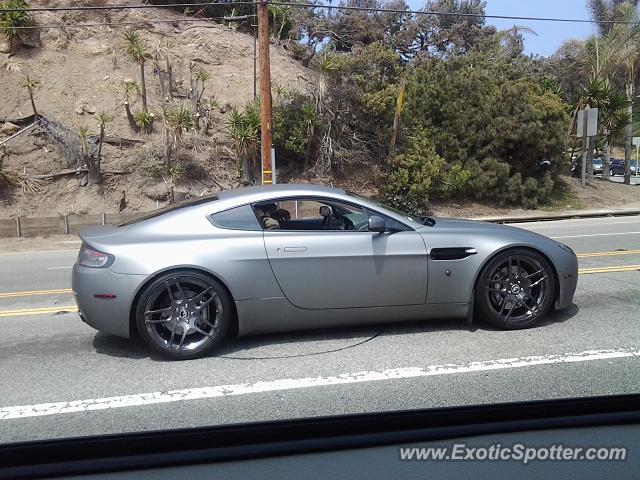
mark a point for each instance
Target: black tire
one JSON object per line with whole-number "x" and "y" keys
{"x": 186, "y": 303}
{"x": 518, "y": 296}
{"x": 611, "y": 173}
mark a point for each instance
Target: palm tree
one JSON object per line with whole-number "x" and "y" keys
{"x": 135, "y": 48}
{"x": 628, "y": 51}
{"x": 614, "y": 120}
{"x": 30, "y": 84}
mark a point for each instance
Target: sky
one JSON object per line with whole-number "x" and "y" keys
{"x": 550, "y": 35}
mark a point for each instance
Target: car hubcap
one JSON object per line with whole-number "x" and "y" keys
{"x": 183, "y": 313}
{"x": 517, "y": 289}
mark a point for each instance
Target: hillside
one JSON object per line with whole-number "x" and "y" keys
{"x": 81, "y": 72}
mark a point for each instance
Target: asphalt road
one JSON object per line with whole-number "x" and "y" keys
{"x": 59, "y": 376}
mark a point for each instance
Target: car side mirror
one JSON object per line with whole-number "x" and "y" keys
{"x": 377, "y": 224}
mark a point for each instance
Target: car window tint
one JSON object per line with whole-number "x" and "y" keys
{"x": 238, "y": 218}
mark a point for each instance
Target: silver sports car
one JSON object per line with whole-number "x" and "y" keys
{"x": 292, "y": 257}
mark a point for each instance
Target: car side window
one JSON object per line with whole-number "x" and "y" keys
{"x": 238, "y": 218}
{"x": 304, "y": 214}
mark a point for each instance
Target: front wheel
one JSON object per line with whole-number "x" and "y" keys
{"x": 183, "y": 315}
{"x": 611, "y": 174}
{"x": 516, "y": 289}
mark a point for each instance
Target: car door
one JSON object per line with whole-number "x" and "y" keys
{"x": 319, "y": 269}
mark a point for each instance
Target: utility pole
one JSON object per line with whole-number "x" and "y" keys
{"x": 255, "y": 51}
{"x": 265, "y": 92}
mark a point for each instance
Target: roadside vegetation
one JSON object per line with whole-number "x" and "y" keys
{"x": 434, "y": 108}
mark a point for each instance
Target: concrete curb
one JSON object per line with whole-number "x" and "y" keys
{"x": 558, "y": 216}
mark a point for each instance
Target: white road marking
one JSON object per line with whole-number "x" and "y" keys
{"x": 59, "y": 268}
{"x": 31, "y": 252}
{"x": 597, "y": 235}
{"x": 567, "y": 225}
{"x": 151, "y": 398}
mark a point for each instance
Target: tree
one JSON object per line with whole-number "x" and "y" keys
{"x": 136, "y": 50}
{"x": 13, "y": 23}
{"x": 30, "y": 84}
{"x": 628, "y": 50}
{"x": 606, "y": 11}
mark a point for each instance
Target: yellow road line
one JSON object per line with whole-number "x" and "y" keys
{"x": 622, "y": 268}
{"x": 35, "y": 292}
{"x": 608, "y": 254}
{"x": 38, "y": 311}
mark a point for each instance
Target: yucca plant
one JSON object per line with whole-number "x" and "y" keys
{"x": 135, "y": 48}
{"x": 13, "y": 23}
{"x": 30, "y": 84}
{"x": 208, "y": 107}
{"x": 325, "y": 64}
{"x": 131, "y": 89}
{"x": 144, "y": 120}
{"x": 162, "y": 56}
{"x": 176, "y": 122}
{"x": 89, "y": 162}
{"x": 244, "y": 130}
{"x": 103, "y": 119}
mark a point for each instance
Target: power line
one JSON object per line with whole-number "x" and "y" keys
{"x": 312, "y": 5}
{"x": 138, "y": 22}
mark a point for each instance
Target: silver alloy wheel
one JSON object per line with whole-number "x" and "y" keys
{"x": 183, "y": 314}
{"x": 517, "y": 289}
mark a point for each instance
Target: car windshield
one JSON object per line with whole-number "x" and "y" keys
{"x": 226, "y": 212}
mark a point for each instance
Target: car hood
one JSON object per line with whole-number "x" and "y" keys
{"x": 476, "y": 227}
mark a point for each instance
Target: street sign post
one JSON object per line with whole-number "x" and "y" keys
{"x": 587, "y": 127}
{"x": 636, "y": 143}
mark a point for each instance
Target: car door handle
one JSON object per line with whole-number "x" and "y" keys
{"x": 295, "y": 249}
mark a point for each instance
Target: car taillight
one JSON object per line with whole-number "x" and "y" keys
{"x": 93, "y": 258}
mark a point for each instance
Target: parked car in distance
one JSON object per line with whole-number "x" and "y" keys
{"x": 576, "y": 166}
{"x": 597, "y": 166}
{"x": 616, "y": 167}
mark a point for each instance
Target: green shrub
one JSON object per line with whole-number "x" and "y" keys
{"x": 418, "y": 174}
{"x": 12, "y": 23}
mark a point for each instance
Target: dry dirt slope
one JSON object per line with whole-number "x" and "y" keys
{"x": 81, "y": 73}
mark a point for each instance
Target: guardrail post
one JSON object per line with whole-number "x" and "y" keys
{"x": 104, "y": 218}
{"x": 66, "y": 224}
{"x": 18, "y": 227}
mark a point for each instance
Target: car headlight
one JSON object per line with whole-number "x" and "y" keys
{"x": 566, "y": 248}
{"x": 89, "y": 257}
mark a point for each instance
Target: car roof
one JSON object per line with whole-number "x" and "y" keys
{"x": 258, "y": 193}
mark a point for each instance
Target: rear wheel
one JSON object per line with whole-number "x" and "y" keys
{"x": 516, "y": 289}
{"x": 183, "y": 315}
